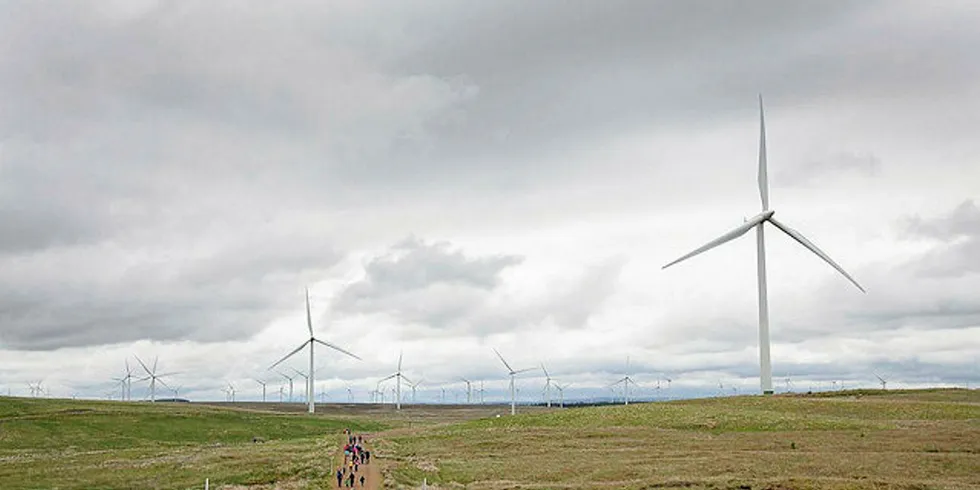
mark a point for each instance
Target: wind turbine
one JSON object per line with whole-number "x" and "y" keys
{"x": 883, "y": 381}
{"x": 290, "y": 378}
{"x": 561, "y": 393}
{"x": 176, "y": 391}
{"x": 399, "y": 379}
{"x": 626, "y": 380}
{"x": 309, "y": 389}
{"x": 323, "y": 395}
{"x": 469, "y": 390}
{"x": 153, "y": 377}
{"x": 312, "y": 340}
{"x": 350, "y": 395}
{"x": 480, "y": 391}
{"x": 263, "y": 389}
{"x": 547, "y": 384}
{"x": 127, "y": 382}
{"x": 282, "y": 390}
{"x": 757, "y": 222}
{"x": 414, "y": 386}
{"x": 512, "y": 373}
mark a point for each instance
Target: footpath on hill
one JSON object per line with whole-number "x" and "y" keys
{"x": 349, "y": 461}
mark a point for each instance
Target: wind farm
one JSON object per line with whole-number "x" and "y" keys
{"x": 534, "y": 245}
{"x": 459, "y": 403}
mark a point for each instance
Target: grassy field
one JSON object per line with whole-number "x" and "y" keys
{"x": 68, "y": 444}
{"x": 855, "y": 440}
{"x": 897, "y": 439}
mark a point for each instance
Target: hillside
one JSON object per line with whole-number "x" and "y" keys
{"x": 910, "y": 439}
{"x": 68, "y": 444}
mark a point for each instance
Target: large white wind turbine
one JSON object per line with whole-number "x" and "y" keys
{"x": 511, "y": 372}
{"x": 399, "y": 379}
{"x": 757, "y": 222}
{"x": 626, "y": 380}
{"x": 312, "y": 340}
{"x": 153, "y": 377}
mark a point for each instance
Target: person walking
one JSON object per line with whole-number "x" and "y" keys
{"x": 362, "y": 481}
{"x": 340, "y": 477}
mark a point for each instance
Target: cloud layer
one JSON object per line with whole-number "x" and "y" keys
{"x": 451, "y": 177}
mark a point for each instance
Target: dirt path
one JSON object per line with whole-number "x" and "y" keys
{"x": 370, "y": 471}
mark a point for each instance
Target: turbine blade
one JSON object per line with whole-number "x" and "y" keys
{"x": 727, "y": 237}
{"x": 795, "y": 235}
{"x": 334, "y": 347}
{"x": 287, "y": 356}
{"x": 763, "y": 164}
{"x": 503, "y": 361}
{"x": 546, "y": 375}
{"x": 382, "y": 380}
{"x": 161, "y": 382}
{"x": 524, "y": 370}
{"x": 405, "y": 379}
{"x": 399, "y": 361}
{"x": 155, "y": 359}
{"x": 309, "y": 318}
{"x": 142, "y": 364}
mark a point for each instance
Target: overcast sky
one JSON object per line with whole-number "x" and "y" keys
{"x": 449, "y": 176}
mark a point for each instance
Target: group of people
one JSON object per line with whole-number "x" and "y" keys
{"x": 355, "y": 455}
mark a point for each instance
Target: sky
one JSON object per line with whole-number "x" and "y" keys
{"x": 449, "y": 178}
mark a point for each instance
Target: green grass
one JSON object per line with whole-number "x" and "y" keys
{"x": 80, "y": 444}
{"x": 924, "y": 439}
{"x": 844, "y": 440}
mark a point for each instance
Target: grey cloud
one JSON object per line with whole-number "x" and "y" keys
{"x": 928, "y": 291}
{"x": 105, "y": 295}
{"x": 837, "y": 165}
{"x": 428, "y": 283}
{"x": 436, "y": 287}
{"x": 963, "y": 221}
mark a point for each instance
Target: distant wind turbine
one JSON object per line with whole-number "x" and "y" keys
{"x": 312, "y": 340}
{"x": 290, "y": 379}
{"x": 547, "y": 384}
{"x": 414, "y": 386}
{"x": 884, "y": 383}
{"x": 511, "y": 372}
{"x": 757, "y": 222}
{"x": 399, "y": 379}
{"x": 263, "y": 389}
{"x": 469, "y": 390}
{"x": 626, "y": 380}
{"x": 153, "y": 377}
{"x": 561, "y": 393}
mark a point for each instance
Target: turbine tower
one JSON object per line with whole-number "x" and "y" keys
{"x": 511, "y": 372}
{"x": 469, "y": 390}
{"x": 757, "y": 222}
{"x": 312, "y": 340}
